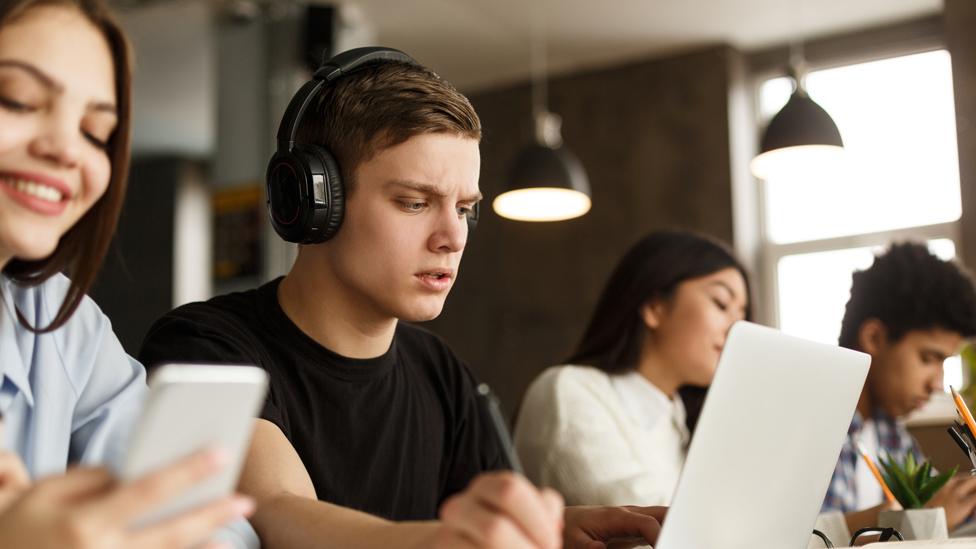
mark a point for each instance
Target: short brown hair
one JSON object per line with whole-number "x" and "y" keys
{"x": 382, "y": 105}
{"x": 82, "y": 249}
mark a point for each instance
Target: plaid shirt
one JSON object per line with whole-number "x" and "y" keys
{"x": 892, "y": 437}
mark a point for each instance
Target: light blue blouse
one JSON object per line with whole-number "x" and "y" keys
{"x": 72, "y": 395}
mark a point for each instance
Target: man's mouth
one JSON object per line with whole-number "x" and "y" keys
{"x": 437, "y": 274}
{"x": 437, "y": 280}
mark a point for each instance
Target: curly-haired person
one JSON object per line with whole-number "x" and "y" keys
{"x": 910, "y": 311}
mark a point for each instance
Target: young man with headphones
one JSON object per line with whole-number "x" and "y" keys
{"x": 372, "y": 428}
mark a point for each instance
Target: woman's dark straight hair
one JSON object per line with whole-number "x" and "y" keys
{"x": 651, "y": 269}
{"x": 81, "y": 250}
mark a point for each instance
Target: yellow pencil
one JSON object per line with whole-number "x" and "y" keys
{"x": 876, "y": 473}
{"x": 963, "y": 410}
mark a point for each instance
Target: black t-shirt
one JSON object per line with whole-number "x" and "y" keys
{"x": 393, "y": 436}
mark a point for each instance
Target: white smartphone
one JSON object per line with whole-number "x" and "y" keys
{"x": 191, "y": 408}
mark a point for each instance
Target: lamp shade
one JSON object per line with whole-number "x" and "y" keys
{"x": 801, "y": 137}
{"x": 545, "y": 184}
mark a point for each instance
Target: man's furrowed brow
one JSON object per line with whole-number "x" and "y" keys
{"x": 428, "y": 189}
{"x": 417, "y": 186}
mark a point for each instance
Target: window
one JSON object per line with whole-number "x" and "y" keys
{"x": 900, "y": 181}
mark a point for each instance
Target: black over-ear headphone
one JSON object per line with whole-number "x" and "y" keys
{"x": 305, "y": 191}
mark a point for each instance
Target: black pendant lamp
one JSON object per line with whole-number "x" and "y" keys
{"x": 800, "y": 139}
{"x": 546, "y": 181}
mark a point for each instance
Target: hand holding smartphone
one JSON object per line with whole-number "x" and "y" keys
{"x": 192, "y": 408}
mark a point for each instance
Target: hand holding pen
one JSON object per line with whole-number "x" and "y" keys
{"x": 581, "y": 527}
{"x": 500, "y": 509}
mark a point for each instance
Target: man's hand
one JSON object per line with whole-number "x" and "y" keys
{"x": 958, "y": 498}
{"x": 596, "y": 527}
{"x": 501, "y": 510}
{"x": 87, "y": 508}
{"x": 14, "y": 479}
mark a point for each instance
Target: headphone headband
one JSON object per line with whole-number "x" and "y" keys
{"x": 350, "y": 60}
{"x": 342, "y": 64}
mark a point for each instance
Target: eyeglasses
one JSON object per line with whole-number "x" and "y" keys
{"x": 884, "y": 534}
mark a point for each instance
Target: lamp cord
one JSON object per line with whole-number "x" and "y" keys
{"x": 798, "y": 63}
{"x": 537, "y": 51}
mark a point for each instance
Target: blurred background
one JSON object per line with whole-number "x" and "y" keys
{"x": 662, "y": 101}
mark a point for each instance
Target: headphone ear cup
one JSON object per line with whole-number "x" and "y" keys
{"x": 306, "y": 201}
{"x": 287, "y": 196}
{"x": 329, "y": 204}
{"x": 335, "y": 188}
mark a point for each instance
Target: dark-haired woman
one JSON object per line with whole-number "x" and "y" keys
{"x": 68, "y": 392}
{"x": 610, "y": 427}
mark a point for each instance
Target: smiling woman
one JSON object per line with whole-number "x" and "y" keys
{"x": 64, "y": 143}
{"x": 68, "y": 392}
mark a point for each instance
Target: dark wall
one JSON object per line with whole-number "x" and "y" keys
{"x": 135, "y": 286}
{"x": 654, "y": 139}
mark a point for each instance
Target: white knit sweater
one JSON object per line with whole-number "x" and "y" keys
{"x": 601, "y": 439}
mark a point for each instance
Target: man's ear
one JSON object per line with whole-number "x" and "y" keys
{"x": 872, "y": 337}
{"x": 651, "y": 313}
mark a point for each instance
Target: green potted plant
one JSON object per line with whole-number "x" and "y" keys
{"x": 913, "y": 484}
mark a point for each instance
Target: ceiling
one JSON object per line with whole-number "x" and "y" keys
{"x": 485, "y": 43}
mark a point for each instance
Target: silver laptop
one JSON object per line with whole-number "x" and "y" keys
{"x": 766, "y": 444}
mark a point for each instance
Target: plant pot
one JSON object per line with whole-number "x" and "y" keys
{"x": 916, "y": 524}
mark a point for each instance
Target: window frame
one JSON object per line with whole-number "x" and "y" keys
{"x": 771, "y": 253}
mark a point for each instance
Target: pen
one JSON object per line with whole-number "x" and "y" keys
{"x": 876, "y": 473}
{"x": 965, "y": 433}
{"x": 965, "y": 441}
{"x": 954, "y": 433}
{"x": 963, "y": 410}
{"x": 498, "y": 422}
{"x": 961, "y": 440}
